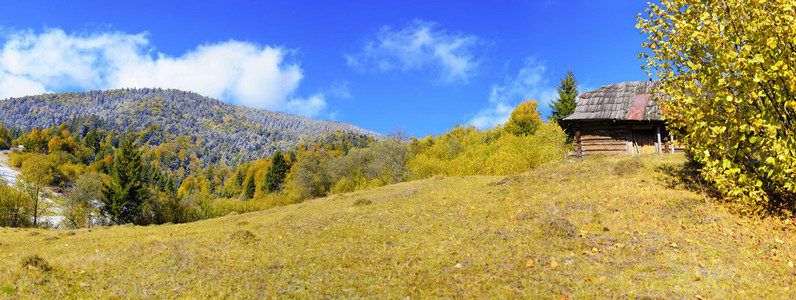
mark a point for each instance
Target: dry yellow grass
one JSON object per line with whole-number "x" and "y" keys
{"x": 595, "y": 228}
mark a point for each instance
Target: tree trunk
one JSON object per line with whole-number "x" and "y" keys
{"x": 36, "y": 207}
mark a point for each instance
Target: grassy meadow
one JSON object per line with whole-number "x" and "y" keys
{"x": 602, "y": 227}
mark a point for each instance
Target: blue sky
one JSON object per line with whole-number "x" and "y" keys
{"x": 419, "y": 66}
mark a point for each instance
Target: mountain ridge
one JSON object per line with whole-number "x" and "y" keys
{"x": 342, "y": 126}
{"x": 250, "y": 132}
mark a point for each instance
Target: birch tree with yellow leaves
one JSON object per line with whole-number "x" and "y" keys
{"x": 727, "y": 68}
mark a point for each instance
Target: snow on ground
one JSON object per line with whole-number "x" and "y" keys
{"x": 9, "y": 175}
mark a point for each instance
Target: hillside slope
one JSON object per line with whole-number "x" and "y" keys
{"x": 603, "y": 227}
{"x": 238, "y": 133}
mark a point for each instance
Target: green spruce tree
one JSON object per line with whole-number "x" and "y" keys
{"x": 250, "y": 187}
{"x": 567, "y": 98}
{"x": 126, "y": 195}
{"x": 276, "y": 173}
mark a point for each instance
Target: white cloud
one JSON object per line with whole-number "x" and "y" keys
{"x": 237, "y": 72}
{"x": 529, "y": 84}
{"x": 418, "y": 45}
{"x": 311, "y": 106}
{"x": 340, "y": 90}
{"x": 57, "y": 60}
{"x": 12, "y": 86}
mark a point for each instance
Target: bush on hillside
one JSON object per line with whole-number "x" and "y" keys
{"x": 34, "y": 262}
{"x": 310, "y": 177}
{"x": 628, "y": 166}
{"x": 80, "y": 204}
{"x": 170, "y": 209}
{"x": 469, "y": 151}
{"x": 15, "y": 207}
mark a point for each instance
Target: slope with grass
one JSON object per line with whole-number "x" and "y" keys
{"x": 613, "y": 227}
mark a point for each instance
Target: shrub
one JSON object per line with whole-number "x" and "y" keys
{"x": 34, "y": 262}
{"x": 389, "y": 161}
{"x": 243, "y": 237}
{"x": 344, "y": 185}
{"x": 70, "y": 172}
{"x": 489, "y": 152}
{"x": 362, "y": 202}
{"x": 557, "y": 227}
{"x": 224, "y": 206}
{"x": 310, "y": 178}
{"x": 17, "y": 159}
{"x": 15, "y": 207}
{"x": 628, "y": 166}
{"x": 5, "y": 138}
{"x": 170, "y": 209}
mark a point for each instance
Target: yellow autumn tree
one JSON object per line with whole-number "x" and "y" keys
{"x": 728, "y": 67}
{"x": 524, "y": 119}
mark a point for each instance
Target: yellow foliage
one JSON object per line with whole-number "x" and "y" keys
{"x": 524, "y": 119}
{"x": 727, "y": 68}
{"x": 71, "y": 171}
{"x": 345, "y": 185}
{"x": 468, "y": 151}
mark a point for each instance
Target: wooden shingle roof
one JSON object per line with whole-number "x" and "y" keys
{"x": 621, "y": 101}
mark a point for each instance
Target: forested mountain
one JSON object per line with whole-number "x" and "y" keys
{"x": 155, "y": 156}
{"x": 221, "y": 132}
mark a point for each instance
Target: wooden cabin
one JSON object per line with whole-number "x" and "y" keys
{"x": 621, "y": 118}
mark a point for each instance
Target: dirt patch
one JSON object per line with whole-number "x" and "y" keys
{"x": 506, "y": 181}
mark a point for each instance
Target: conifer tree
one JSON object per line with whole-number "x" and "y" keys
{"x": 276, "y": 173}
{"x": 250, "y": 187}
{"x": 126, "y": 195}
{"x": 92, "y": 141}
{"x": 567, "y": 98}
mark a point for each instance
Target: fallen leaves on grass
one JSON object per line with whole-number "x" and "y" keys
{"x": 530, "y": 263}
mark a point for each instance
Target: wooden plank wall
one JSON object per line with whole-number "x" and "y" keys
{"x": 678, "y": 148}
{"x": 602, "y": 137}
{"x": 618, "y": 138}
